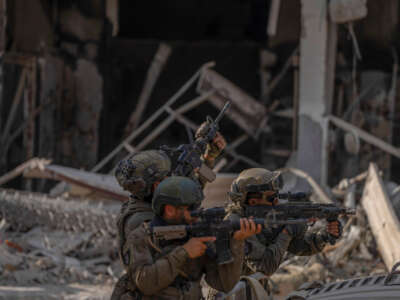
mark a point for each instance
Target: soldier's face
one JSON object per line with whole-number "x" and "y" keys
{"x": 181, "y": 215}
{"x": 262, "y": 198}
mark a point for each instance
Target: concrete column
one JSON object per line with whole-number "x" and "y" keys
{"x": 3, "y": 22}
{"x": 317, "y": 67}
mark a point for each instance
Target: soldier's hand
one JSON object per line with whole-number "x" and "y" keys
{"x": 215, "y": 147}
{"x": 295, "y": 230}
{"x": 334, "y": 228}
{"x": 196, "y": 247}
{"x": 247, "y": 229}
{"x": 219, "y": 141}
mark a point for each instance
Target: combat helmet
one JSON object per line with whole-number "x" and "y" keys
{"x": 253, "y": 180}
{"x": 140, "y": 171}
{"x": 177, "y": 191}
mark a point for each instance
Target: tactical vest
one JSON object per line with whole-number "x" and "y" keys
{"x": 141, "y": 212}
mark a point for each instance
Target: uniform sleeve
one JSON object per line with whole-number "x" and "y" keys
{"x": 151, "y": 276}
{"x": 266, "y": 259}
{"x": 312, "y": 243}
{"x": 224, "y": 277}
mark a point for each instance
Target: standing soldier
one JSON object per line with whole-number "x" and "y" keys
{"x": 173, "y": 269}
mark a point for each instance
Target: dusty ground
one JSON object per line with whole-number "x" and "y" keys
{"x": 56, "y": 292}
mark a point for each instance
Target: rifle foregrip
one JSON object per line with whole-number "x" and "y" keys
{"x": 223, "y": 248}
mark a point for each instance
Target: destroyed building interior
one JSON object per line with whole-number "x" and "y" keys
{"x": 313, "y": 87}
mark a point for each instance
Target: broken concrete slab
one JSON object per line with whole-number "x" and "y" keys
{"x": 89, "y": 182}
{"x": 247, "y": 112}
{"x": 382, "y": 219}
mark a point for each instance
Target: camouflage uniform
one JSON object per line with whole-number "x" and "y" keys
{"x": 165, "y": 271}
{"x": 265, "y": 251}
{"x": 137, "y": 174}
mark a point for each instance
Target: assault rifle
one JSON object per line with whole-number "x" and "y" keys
{"x": 212, "y": 224}
{"x": 189, "y": 158}
{"x": 302, "y": 212}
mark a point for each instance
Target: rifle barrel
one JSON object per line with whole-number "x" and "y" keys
{"x": 222, "y": 112}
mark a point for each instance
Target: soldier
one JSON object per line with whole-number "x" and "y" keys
{"x": 173, "y": 269}
{"x": 265, "y": 251}
{"x": 141, "y": 173}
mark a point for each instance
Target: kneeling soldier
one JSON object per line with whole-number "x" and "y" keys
{"x": 173, "y": 269}
{"x": 266, "y": 250}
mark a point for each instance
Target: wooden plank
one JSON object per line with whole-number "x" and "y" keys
{"x": 382, "y": 219}
{"x": 245, "y": 111}
{"x": 153, "y": 73}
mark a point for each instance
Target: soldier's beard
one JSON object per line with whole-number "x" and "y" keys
{"x": 178, "y": 219}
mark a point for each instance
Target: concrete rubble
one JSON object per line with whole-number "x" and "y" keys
{"x": 363, "y": 249}
{"x": 54, "y": 243}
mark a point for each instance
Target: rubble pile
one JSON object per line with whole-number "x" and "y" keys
{"x": 53, "y": 241}
{"x": 46, "y": 241}
{"x": 358, "y": 253}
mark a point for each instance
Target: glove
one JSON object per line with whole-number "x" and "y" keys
{"x": 214, "y": 148}
{"x": 333, "y": 231}
{"x": 296, "y": 230}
